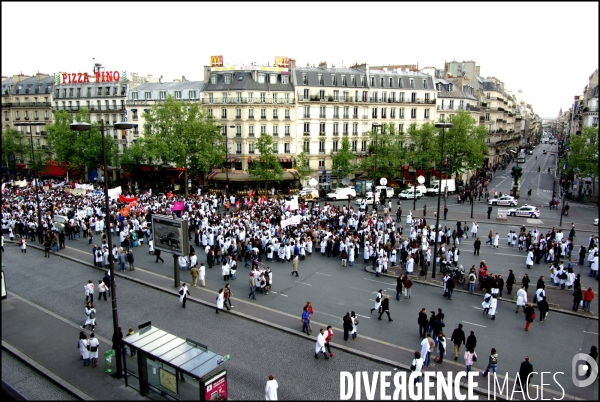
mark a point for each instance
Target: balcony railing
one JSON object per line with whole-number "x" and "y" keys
{"x": 363, "y": 99}
{"x": 237, "y": 101}
{"x": 27, "y": 104}
{"x": 91, "y": 108}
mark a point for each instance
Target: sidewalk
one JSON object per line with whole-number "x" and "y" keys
{"x": 19, "y": 335}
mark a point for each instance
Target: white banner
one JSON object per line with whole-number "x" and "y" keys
{"x": 294, "y": 220}
{"x": 84, "y": 186}
{"x": 76, "y": 191}
{"x": 22, "y": 183}
{"x": 292, "y": 205}
{"x": 114, "y": 192}
{"x": 502, "y": 212}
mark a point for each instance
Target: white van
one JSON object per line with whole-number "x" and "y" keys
{"x": 388, "y": 191}
{"x": 342, "y": 193}
{"x": 410, "y": 193}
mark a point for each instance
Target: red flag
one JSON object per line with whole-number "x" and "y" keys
{"x": 237, "y": 204}
{"x": 262, "y": 200}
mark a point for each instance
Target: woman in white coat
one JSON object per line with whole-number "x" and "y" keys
{"x": 496, "y": 240}
{"x": 409, "y": 218}
{"x": 529, "y": 259}
{"x": 367, "y": 252}
{"x": 493, "y": 305}
{"x": 378, "y": 299}
{"x": 309, "y": 246}
{"x": 351, "y": 254}
{"x": 487, "y": 298}
{"x": 354, "y": 322}
{"x": 521, "y": 298}
{"x": 220, "y": 300}
{"x": 202, "y": 274}
{"x": 151, "y": 247}
{"x": 94, "y": 346}
{"x": 225, "y": 270}
{"x": 90, "y": 316}
{"x": 323, "y": 245}
{"x": 83, "y": 343}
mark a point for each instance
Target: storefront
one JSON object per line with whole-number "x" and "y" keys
{"x": 162, "y": 360}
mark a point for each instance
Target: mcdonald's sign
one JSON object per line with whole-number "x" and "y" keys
{"x": 281, "y": 61}
{"x": 216, "y": 61}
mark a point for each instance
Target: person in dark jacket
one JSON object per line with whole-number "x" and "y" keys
{"x": 500, "y": 284}
{"x": 458, "y": 336}
{"x": 577, "y": 298}
{"x": 107, "y": 282}
{"x": 543, "y": 306}
{"x": 432, "y": 319}
{"x": 510, "y": 281}
{"x": 525, "y": 281}
{"x": 476, "y": 246}
{"x": 438, "y": 327}
{"x": 450, "y": 287}
{"x": 423, "y": 323}
{"x": 471, "y": 341}
{"x": 529, "y": 315}
{"x": 399, "y": 282}
{"x": 347, "y": 325}
{"x": 385, "y": 307}
{"x": 524, "y": 373}
{"x": 158, "y": 257}
{"x": 540, "y": 283}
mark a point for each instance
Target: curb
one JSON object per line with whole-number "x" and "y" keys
{"x": 416, "y": 279}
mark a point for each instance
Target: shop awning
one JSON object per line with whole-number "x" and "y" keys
{"x": 285, "y": 160}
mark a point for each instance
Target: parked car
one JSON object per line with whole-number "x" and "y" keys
{"x": 368, "y": 198}
{"x": 525, "y": 210}
{"x": 410, "y": 193}
{"x": 596, "y": 221}
{"x": 309, "y": 193}
{"x": 544, "y": 152}
{"x": 171, "y": 239}
{"x": 504, "y": 200}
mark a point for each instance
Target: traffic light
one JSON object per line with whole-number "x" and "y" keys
{"x": 517, "y": 171}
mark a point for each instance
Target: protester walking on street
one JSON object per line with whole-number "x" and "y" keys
{"x": 101, "y": 290}
{"x": 521, "y": 298}
{"x": 251, "y": 282}
{"x": 525, "y": 372}
{"x": 309, "y": 307}
{"x": 471, "y": 341}
{"x": 417, "y": 366}
{"x": 130, "y": 259}
{"x": 529, "y": 315}
{"x": 510, "y": 281}
{"x": 305, "y": 320}
{"x": 458, "y": 336}
{"x": 492, "y": 364}
{"x": 83, "y": 351}
{"x": 422, "y": 321}
{"x": 158, "y": 257}
{"x": 328, "y": 336}
{"x": 493, "y": 307}
{"x": 194, "y": 272}
{"x": 227, "y": 293}
{"x": 470, "y": 357}
{"x": 347, "y": 325}
{"x": 89, "y": 291}
{"x": 441, "y": 347}
{"x": 320, "y": 345}
{"x": 90, "y": 316}
{"x": 385, "y": 308}
{"x": 295, "y": 265}
{"x": 94, "y": 345}
{"x": 221, "y": 301}
{"x": 271, "y": 389}
{"x": 377, "y": 305}
{"x": 354, "y": 322}
{"x": 183, "y": 294}
{"x": 476, "y": 246}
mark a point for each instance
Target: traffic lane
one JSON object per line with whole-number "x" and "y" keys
{"x": 257, "y": 352}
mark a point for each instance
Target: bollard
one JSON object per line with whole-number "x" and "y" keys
{"x": 108, "y": 358}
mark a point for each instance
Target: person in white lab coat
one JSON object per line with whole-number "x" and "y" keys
{"x": 320, "y": 345}
{"x": 271, "y": 389}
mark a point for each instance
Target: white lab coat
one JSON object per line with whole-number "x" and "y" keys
{"x": 201, "y": 272}
{"x": 271, "y": 390}
{"x": 529, "y": 260}
{"x": 521, "y": 297}
{"x": 220, "y": 300}
{"x": 320, "y": 345}
{"x": 493, "y": 305}
{"x": 378, "y": 304}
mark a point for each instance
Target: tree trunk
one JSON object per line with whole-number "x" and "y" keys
{"x": 185, "y": 180}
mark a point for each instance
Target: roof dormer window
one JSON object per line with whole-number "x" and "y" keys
{"x": 272, "y": 78}
{"x": 227, "y": 78}
{"x": 261, "y": 78}
{"x": 372, "y": 81}
{"x": 213, "y": 79}
{"x": 425, "y": 84}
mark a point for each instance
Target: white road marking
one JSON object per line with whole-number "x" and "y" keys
{"x": 362, "y": 290}
{"x": 307, "y": 284}
{"x": 588, "y": 332}
{"x": 364, "y": 316}
{"x": 321, "y": 274}
{"x": 483, "y": 326}
{"x": 280, "y": 294}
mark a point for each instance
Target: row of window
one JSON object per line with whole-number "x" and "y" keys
{"x": 108, "y": 105}
{"x": 250, "y": 98}
{"x": 250, "y": 115}
{"x": 375, "y": 113}
{"x": 162, "y": 95}
{"x": 375, "y": 96}
{"x": 263, "y": 130}
{"x": 19, "y": 89}
{"x": 306, "y": 145}
{"x": 76, "y": 92}
{"x": 285, "y": 79}
{"x": 26, "y": 115}
{"x": 381, "y": 81}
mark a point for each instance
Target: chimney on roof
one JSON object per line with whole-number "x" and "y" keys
{"x": 160, "y": 79}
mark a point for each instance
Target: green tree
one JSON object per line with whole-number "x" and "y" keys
{"x": 343, "y": 160}
{"x": 134, "y": 155}
{"x": 583, "y": 154}
{"x": 423, "y": 146}
{"x": 267, "y": 168}
{"x": 387, "y": 153}
{"x": 183, "y": 134}
{"x": 302, "y": 165}
{"x": 464, "y": 144}
{"x": 13, "y": 148}
{"x": 79, "y": 148}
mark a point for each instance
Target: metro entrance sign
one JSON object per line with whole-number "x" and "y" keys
{"x": 82, "y": 78}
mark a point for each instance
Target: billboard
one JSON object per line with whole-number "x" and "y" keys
{"x": 281, "y": 61}
{"x": 216, "y": 61}
{"x": 215, "y": 388}
{"x": 170, "y": 234}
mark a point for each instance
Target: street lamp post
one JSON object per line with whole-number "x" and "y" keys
{"x": 443, "y": 126}
{"x": 374, "y": 185}
{"x": 37, "y": 198}
{"x": 225, "y": 134}
{"x": 81, "y": 126}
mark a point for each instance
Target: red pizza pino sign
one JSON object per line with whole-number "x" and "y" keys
{"x": 81, "y": 78}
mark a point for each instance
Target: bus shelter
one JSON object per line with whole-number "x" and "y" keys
{"x": 166, "y": 367}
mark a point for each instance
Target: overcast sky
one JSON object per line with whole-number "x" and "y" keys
{"x": 548, "y": 50}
